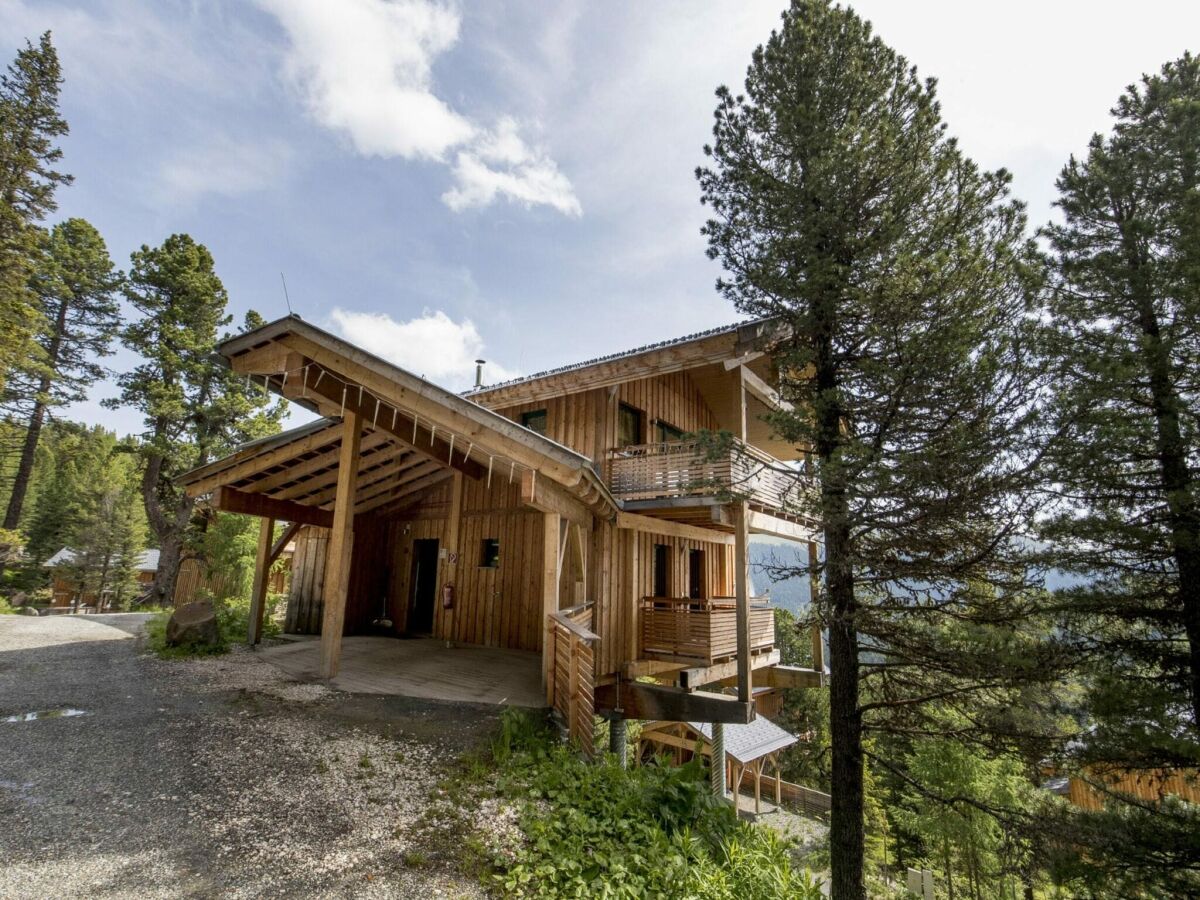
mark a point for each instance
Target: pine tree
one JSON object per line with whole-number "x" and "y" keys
{"x": 900, "y": 276}
{"x": 195, "y": 408}
{"x": 109, "y": 534}
{"x": 75, "y": 287}
{"x": 1124, "y": 342}
{"x": 30, "y": 125}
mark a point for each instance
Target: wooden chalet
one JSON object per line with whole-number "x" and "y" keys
{"x": 571, "y": 514}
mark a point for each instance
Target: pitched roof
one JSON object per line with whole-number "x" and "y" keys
{"x": 746, "y": 743}
{"x": 147, "y": 560}
{"x": 623, "y": 354}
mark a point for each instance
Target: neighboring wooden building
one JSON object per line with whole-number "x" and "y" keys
{"x": 66, "y": 591}
{"x": 1099, "y": 786}
{"x": 571, "y": 513}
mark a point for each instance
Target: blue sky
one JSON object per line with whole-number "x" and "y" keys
{"x": 514, "y": 180}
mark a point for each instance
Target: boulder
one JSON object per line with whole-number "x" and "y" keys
{"x": 194, "y": 624}
{"x": 29, "y": 611}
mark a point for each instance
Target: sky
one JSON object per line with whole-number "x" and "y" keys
{"x": 440, "y": 182}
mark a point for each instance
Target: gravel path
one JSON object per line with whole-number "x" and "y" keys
{"x": 210, "y": 778}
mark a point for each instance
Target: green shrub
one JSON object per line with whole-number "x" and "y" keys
{"x": 233, "y": 621}
{"x": 597, "y": 830}
{"x": 6, "y": 608}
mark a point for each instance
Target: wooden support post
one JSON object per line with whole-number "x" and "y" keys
{"x": 814, "y": 585}
{"x": 550, "y": 573}
{"x": 448, "y": 565}
{"x": 716, "y": 760}
{"x": 262, "y": 579}
{"x": 758, "y": 764}
{"x": 741, "y": 576}
{"x": 632, "y": 598}
{"x": 341, "y": 548}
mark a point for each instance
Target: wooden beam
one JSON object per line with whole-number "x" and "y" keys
{"x": 411, "y": 482}
{"x": 230, "y": 499}
{"x": 639, "y": 700}
{"x": 668, "y": 528}
{"x": 326, "y": 477}
{"x": 428, "y": 442}
{"x": 741, "y": 580}
{"x": 467, "y": 419}
{"x": 284, "y": 540}
{"x": 543, "y": 494}
{"x": 765, "y": 523}
{"x": 324, "y": 460}
{"x": 262, "y": 578}
{"x": 756, "y": 387}
{"x": 450, "y": 562}
{"x": 692, "y": 678}
{"x": 340, "y": 549}
{"x": 321, "y": 489}
{"x": 550, "y": 573}
{"x": 411, "y": 491}
{"x": 737, "y": 400}
{"x": 783, "y": 677}
{"x": 258, "y": 461}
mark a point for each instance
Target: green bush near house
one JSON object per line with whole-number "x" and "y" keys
{"x": 233, "y": 621}
{"x": 597, "y": 830}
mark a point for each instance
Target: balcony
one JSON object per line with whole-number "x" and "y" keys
{"x": 686, "y": 469}
{"x": 701, "y": 631}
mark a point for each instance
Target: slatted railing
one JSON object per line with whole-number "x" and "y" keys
{"x": 571, "y": 685}
{"x": 689, "y": 469}
{"x": 704, "y": 630}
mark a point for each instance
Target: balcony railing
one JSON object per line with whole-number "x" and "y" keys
{"x": 687, "y": 469}
{"x": 702, "y": 630}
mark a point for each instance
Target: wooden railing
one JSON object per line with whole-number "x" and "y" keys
{"x": 688, "y": 469}
{"x": 571, "y": 683}
{"x": 702, "y": 630}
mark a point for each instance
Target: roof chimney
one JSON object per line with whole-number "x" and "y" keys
{"x": 479, "y": 372}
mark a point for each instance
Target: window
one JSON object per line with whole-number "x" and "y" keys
{"x": 535, "y": 420}
{"x": 667, "y": 433}
{"x": 629, "y": 425}
{"x": 696, "y": 574}
{"x": 489, "y": 553}
{"x": 662, "y": 566}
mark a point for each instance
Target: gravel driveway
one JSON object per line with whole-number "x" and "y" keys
{"x": 218, "y": 777}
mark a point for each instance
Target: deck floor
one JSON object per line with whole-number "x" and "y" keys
{"x": 420, "y": 667}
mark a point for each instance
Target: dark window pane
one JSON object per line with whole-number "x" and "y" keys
{"x": 629, "y": 426}
{"x": 662, "y": 564}
{"x": 535, "y": 420}
{"x": 667, "y": 433}
{"x": 489, "y": 553}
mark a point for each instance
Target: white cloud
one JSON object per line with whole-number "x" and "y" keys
{"x": 364, "y": 68}
{"x": 432, "y": 345}
{"x": 223, "y": 166}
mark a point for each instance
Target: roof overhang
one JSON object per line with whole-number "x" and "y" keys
{"x": 415, "y": 432}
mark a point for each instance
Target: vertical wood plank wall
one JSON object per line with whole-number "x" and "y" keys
{"x": 501, "y": 607}
{"x": 587, "y": 421}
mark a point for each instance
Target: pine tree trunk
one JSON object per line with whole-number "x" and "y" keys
{"x": 16, "y": 501}
{"x": 1183, "y": 517}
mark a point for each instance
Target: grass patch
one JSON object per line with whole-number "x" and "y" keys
{"x": 597, "y": 830}
{"x": 233, "y": 621}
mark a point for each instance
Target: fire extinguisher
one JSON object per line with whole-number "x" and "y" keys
{"x": 447, "y": 596}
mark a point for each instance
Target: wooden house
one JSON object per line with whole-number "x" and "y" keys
{"x": 575, "y": 514}
{"x": 67, "y": 593}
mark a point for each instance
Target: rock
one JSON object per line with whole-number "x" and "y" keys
{"x": 29, "y": 611}
{"x": 194, "y": 624}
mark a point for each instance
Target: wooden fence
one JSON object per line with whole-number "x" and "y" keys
{"x": 704, "y": 630}
{"x": 573, "y": 672}
{"x": 686, "y": 469}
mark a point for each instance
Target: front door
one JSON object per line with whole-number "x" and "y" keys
{"x": 423, "y": 586}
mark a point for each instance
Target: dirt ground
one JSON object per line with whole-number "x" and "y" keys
{"x": 219, "y": 777}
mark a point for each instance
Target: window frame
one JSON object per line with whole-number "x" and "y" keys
{"x": 489, "y": 553}
{"x": 662, "y": 428}
{"x": 640, "y": 420}
{"x": 530, "y": 415}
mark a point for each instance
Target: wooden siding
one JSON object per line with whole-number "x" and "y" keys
{"x": 304, "y": 594}
{"x": 586, "y": 421}
{"x": 621, "y": 579}
{"x": 1149, "y": 785}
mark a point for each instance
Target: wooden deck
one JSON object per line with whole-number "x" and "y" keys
{"x": 420, "y": 668}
